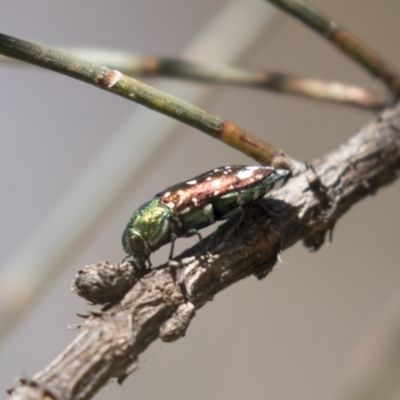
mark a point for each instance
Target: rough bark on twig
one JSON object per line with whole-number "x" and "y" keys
{"x": 163, "y": 302}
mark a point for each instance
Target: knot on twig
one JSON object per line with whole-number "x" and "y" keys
{"x": 44, "y": 392}
{"x": 176, "y": 326}
{"x": 320, "y": 224}
{"x": 103, "y": 282}
{"x": 316, "y": 239}
{"x": 108, "y": 78}
{"x": 318, "y": 188}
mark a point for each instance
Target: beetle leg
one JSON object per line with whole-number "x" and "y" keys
{"x": 240, "y": 219}
{"x": 230, "y": 213}
{"x": 233, "y": 213}
{"x": 192, "y": 232}
{"x": 173, "y": 237}
{"x": 268, "y": 211}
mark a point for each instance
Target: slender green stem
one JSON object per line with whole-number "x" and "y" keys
{"x": 136, "y": 65}
{"x": 273, "y": 81}
{"x": 132, "y": 89}
{"x": 343, "y": 40}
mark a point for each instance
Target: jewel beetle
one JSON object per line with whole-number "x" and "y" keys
{"x": 182, "y": 209}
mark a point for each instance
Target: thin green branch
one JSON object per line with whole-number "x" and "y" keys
{"x": 136, "y": 65}
{"x": 343, "y": 40}
{"x": 134, "y": 90}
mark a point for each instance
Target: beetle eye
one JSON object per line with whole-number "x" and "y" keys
{"x": 137, "y": 244}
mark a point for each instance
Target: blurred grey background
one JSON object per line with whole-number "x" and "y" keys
{"x": 287, "y": 337}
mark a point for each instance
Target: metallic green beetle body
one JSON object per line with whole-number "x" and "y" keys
{"x": 181, "y": 210}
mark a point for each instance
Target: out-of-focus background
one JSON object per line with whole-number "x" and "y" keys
{"x": 286, "y": 337}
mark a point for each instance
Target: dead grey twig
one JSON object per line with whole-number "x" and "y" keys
{"x": 163, "y": 302}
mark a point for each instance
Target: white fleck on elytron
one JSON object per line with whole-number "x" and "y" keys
{"x": 181, "y": 210}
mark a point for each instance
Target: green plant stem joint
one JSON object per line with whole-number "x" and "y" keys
{"x": 181, "y": 210}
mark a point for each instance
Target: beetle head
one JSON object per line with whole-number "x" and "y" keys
{"x": 135, "y": 245}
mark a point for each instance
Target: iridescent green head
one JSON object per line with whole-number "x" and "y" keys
{"x": 147, "y": 230}
{"x": 135, "y": 245}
